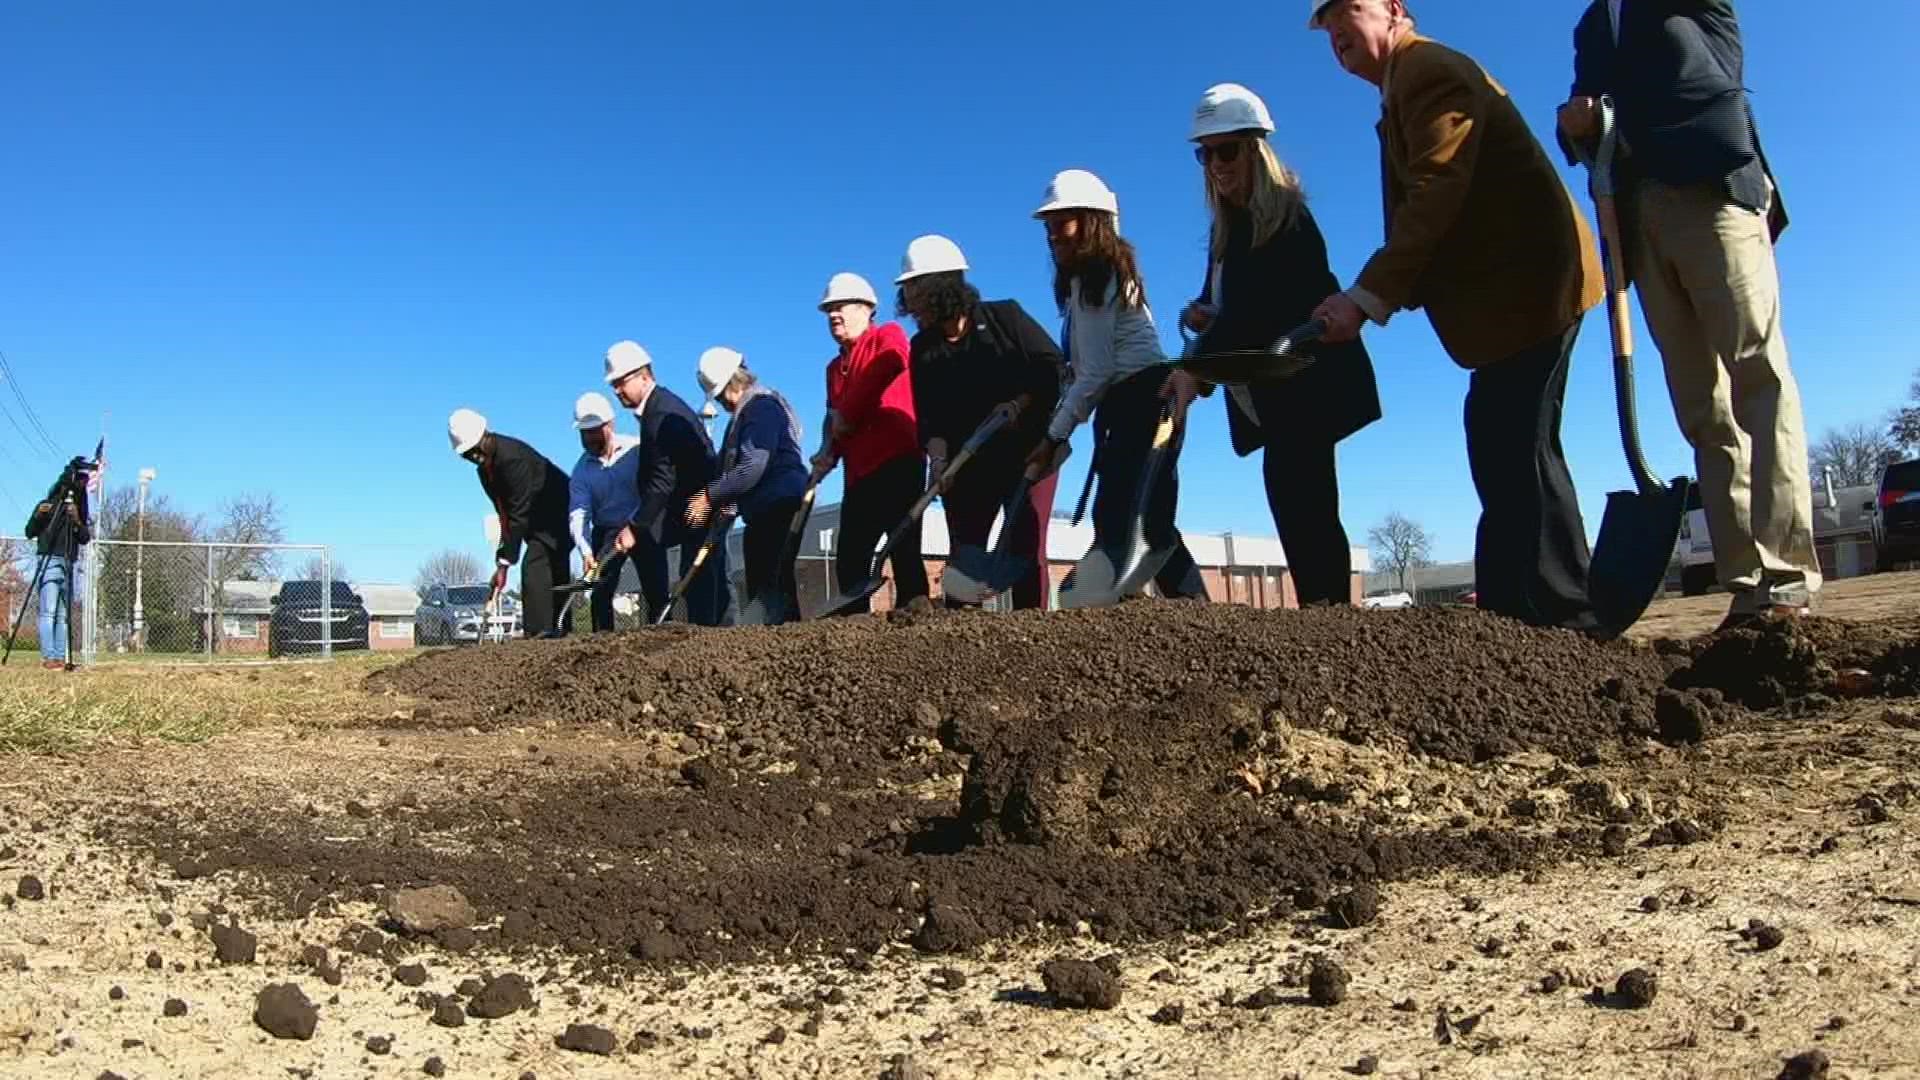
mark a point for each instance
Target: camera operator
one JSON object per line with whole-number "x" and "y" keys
{"x": 60, "y": 524}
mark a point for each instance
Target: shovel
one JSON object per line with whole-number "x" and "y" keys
{"x": 1122, "y": 565}
{"x": 720, "y": 526}
{"x": 1236, "y": 367}
{"x": 973, "y": 574}
{"x": 771, "y": 606}
{"x": 849, "y": 601}
{"x": 1637, "y": 535}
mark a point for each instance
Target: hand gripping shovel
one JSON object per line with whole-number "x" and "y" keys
{"x": 850, "y": 600}
{"x": 1284, "y": 359}
{"x": 715, "y": 534}
{"x": 772, "y": 605}
{"x": 1638, "y": 532}
{"x": 973, "y": 574}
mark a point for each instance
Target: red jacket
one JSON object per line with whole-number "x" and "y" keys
{"x": 869, "y": 387}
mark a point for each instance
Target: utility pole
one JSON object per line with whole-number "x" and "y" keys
{"x": 140, "y": 564}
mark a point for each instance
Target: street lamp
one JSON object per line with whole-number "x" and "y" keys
{"x": 140, "y": 563}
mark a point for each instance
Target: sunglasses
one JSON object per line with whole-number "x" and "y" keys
{"x": 1225, "y": 153}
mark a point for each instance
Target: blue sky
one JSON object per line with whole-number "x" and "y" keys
{"x": 279, "y": 243}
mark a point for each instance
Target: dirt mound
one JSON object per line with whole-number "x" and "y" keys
{"x": 1454, "y": 683}
{"x": 951, "y": 779}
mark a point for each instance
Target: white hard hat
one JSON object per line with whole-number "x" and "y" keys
{"x": 846, "y": 288}
{"x": 1313, "y": 17}
{"x": 625, "y": 358}
{"x": 930, "y": 255}
{"x": 592, "y": 410}
{"x": 464, "y": 429}
{"x": 1078, "y": 189}
{"x": 1227, "y": 108}
{"x": 717, "y": 368}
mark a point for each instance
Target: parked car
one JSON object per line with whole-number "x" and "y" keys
{"x": 1697, "y": 573}
{"x": 298, "y": 623}
{"x": 1388, "y": 601}
{"x": 457, "y": 614}
{"x": 1896, "y": 515}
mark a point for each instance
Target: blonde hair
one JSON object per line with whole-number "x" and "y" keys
{"x": 1275, "y": 199}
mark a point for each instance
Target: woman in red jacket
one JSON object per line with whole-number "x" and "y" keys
{"x": 870, "y": 425}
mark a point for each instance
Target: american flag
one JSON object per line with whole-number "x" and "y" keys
{"x": 99, "y": 477}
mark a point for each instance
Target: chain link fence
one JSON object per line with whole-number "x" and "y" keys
{"x": 168, "y": 600}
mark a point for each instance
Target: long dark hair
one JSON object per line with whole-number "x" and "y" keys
{"x": 942, "y": 298}
{"x": 1099, "y": 256}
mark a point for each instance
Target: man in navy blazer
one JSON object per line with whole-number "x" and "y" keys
{"x": 1700, "y": 213}
{"x": 676, "y": 463}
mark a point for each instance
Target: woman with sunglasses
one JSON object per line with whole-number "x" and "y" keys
{"x": 1117, "y": 378}
{"x": 1268, "y": 272}
{"x": 969, "y": 360}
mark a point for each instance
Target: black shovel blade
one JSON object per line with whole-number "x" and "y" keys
{"x": 765, "y": 611}
{"x": 853, "y": 600}
{"x": 995, "y": 571}
{"x": 1631, "y": 557}
{"x": 579, "y": 585}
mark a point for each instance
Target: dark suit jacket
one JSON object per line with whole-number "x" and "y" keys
{"x": 1675, "y": 78}
{"x": 1267, "y": 291}
{"x": 676, "y": 463}
{"x": 529, "y": 493}
{"x": 1481, "y": 232}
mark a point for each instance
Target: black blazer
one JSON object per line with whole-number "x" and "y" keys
{"x": 676, "y": 462}
{"x": 1676, "y": 80}
{"x": 1267, "y": 291}
{"x": 530, "y": 494}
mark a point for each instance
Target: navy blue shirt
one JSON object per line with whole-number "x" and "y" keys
{"x": 760, "y": 458}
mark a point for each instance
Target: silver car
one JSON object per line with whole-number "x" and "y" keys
{"x": 457, "y": 615}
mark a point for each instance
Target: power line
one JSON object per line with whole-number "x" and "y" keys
{"x": 6, "y": 370}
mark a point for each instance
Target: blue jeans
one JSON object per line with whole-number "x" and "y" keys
{"x": 55, "y": 602}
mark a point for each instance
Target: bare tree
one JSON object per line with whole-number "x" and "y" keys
{"x": 248, "y": 521}
{"x": 1855, "y": 454}
{"x": 335, "y": 569}
{"x": 1903, "y": 426}
{"x": 449, "y": 567}
{"x": 1400, "y": 544}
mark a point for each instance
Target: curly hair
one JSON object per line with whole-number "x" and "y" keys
{"x": 936, "y": 299}
{"x": 1099, "y": 256}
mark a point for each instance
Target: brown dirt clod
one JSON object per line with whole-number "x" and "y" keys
{"x": 1358, "y": 906}
{"x": 232, "y": 945}
{"x": 174, "y": 1007}
{"x": 30, "y": 888}
{"x": 283, "y": 1011}
{"x": 434, "y": 1067}
{"x": 1171, "y": 1013}
{"x": 1808, "y": 1065}
{"x": 410, "y": 975}
{"x": 502, "y": 996}
{"x": 428, "y": 910}
{"x": 380, "y": 1044}
{"x": 587, "y": 1039}
{"x": 1327, "y": 983}
{"x": 1637, "y": 988}
{"x": 1080, "y": 984}
{"x": 448, "y": 1014}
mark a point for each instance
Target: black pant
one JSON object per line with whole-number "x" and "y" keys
{"x": 1124, "y": 427}
{"x": 1303, "y": 493}
{"x": 541, "y": 568}
{"x": 709, "y": 598}
{"x": 1530, "y": 554}
{"x": 761, "y": 548}
{"x": 871, "y": 506}
{"x": 649, "y": 562}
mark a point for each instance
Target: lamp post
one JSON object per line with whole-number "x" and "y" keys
{"x": 140, "y": 563}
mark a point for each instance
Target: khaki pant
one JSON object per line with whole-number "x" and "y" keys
{"x": 1711, "y": 295}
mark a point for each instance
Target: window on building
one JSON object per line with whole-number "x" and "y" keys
{"x": 240, "y": 626}
{"x": 396, "y": 627}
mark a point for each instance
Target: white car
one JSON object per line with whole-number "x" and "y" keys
{"x": 1388, "y": 601}
{"x": 1697, "y": 575}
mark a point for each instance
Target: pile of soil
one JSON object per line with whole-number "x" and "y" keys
{"x": 1104, "y": 759}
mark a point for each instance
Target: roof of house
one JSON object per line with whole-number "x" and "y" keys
{"x": 387, "y": 600}
{"x": 243, "y": 598}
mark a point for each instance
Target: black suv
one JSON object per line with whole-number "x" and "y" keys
{"x": 298, "y": 627}
{"x": 1896, "y": 515}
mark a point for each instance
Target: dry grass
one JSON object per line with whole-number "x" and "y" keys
{"x": 51, "y": 712}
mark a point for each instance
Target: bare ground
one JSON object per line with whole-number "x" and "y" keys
{"x": 1818, "y": 840}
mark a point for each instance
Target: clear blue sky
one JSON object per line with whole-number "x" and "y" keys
{"x": 281, "y": 242}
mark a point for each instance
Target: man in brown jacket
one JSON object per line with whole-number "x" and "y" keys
{"x": 1483, "y": 235}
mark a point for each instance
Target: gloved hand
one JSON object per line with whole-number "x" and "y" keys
{"x": 499, "y": 581}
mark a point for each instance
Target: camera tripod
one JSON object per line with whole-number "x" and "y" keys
{"x": 59, "y": 546}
